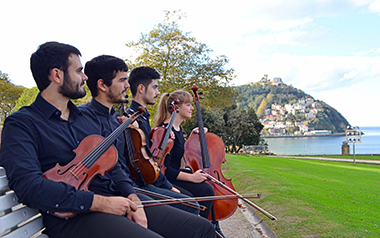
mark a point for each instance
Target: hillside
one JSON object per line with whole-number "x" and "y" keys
{"x": 284, "y": 109}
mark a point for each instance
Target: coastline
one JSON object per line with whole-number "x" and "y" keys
{"x": 296, "y": 136}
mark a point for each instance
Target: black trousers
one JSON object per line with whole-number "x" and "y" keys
{"x": 163, "y": 221}
{"x": 196, "y": 190}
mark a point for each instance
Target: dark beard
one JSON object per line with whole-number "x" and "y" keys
{"x": 68, "y": 89}
{"x": 116, "y": 99}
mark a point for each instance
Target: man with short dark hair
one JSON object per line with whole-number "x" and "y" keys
{"x": 107, "y": 81}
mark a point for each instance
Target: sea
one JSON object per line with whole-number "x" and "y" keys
{"x": 326, "y": 145}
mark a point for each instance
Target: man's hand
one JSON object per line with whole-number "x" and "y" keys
{"x": 138, "y": 215}
{"x": 124, "y": 118}
{"x": 114, "y": 205}
{"x": 175, "y": 190}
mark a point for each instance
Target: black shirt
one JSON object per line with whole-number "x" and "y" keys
{"x": 173, "y": 159}
{"x": 35, "y": 139}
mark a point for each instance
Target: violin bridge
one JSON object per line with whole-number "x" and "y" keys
{"x": 73, "y": 174}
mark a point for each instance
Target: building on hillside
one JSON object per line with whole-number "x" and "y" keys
{"x": 267, "y": 112}
{"x": 288, "y": 124}
{"x": 279, "y": 124}
{"x": 275, "y": 106}
{"x": 303, "y": 128}
{"x": 316, "y": 105}
{"x": 314, "y": 111}
{"x": 300, "y": 106}
{"x": 298, "y": 122}
{"x": 322, "y": 132}
{"x": 276, "y": 131}
{"x": 269, "y": 117}
{"x": 279, "y": 117}
{"x": 277, "y": 81}
{"x": 308, "y": 102}
{"x": 310, "y": 116}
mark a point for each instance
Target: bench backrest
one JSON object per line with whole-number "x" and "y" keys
{"x": 16, "y": 219}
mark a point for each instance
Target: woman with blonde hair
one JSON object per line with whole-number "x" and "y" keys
{"x": 189, "y": 183}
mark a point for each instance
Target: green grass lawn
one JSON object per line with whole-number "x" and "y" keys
{"x": 311, "y": 198}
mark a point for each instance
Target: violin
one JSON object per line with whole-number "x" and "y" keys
{"x": 161, "y": 144}
{"x": 95, "y": 155}
{"x": 141, "y": 165}
{"x": 206, "y": 152}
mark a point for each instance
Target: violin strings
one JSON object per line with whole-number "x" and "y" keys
{"x": 98, "y": 150}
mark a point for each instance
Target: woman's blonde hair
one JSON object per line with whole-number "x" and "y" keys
{"x": 164, "y": 107}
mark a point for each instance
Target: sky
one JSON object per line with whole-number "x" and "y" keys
{"x": 330, "y": 49}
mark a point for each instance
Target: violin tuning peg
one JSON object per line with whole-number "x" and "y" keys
{"x": 200, "y": 93}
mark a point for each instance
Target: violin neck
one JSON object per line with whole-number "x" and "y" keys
{"x": 202, "y": 138}
{"x": 131, "y": 148}
{"x": 168, "y": 130}
{"x": 90, "y": 159}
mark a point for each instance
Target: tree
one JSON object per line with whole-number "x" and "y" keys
{"x": 9, "y": 93}
{"x": 26, "y": 98}
{"x": 270, "y": 98}
{"x": 236, "y": 127}
{"x": 30, "y": 94}
{"x": 183, "y": 61}
{"x": 262, "y": 107}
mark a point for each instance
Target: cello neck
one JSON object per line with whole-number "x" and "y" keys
{"x": 202, "y": 136}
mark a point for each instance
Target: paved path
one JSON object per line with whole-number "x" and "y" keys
{"x": 359, "y": 161}
{"x": 246, "y": 223}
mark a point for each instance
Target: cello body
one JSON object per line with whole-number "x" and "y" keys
{"x": 193, "y": 160}
{"x": 206, "y": 152}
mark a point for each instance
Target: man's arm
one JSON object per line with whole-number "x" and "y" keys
{"x": 19, "y": 156}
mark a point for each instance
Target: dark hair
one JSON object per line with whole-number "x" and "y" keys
{"x": 103, "y": 67}
{"x": 141, "y": 75}
{"x": 48, "y": 56}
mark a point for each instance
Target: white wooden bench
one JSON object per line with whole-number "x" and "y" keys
{"x": 16, "y": 219}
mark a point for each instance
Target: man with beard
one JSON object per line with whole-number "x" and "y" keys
{"x": 107, "y": 81}
{"x": 39, "y": 136}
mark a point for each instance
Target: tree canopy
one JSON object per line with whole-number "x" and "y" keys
{"x": 236, "y": 127}
{"x": 183, "y": 61}
{"x": 9, "y": 93}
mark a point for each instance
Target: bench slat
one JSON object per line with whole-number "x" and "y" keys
{"x": 27, "y": 230}
{"x": 23, "y": 222}
{"x": 8, "y": 201}
{"x": 10, "y": 220}
{"x": 3, "y": 184}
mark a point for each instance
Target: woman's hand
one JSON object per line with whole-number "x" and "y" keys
{"x": 198, "y": 176}
{"x": 196, "y": 130}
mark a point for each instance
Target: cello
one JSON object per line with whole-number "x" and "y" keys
{"x": 95, "y": 155}
{"x": 198, "y": 156}
{"x": 161, "y": 144}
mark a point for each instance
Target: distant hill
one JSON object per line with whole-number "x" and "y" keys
{"x": 276, "y": 101}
